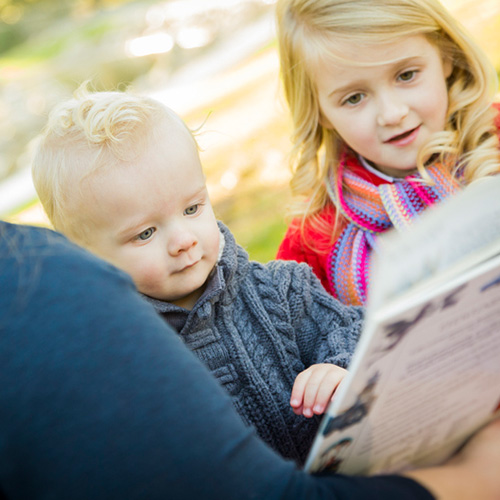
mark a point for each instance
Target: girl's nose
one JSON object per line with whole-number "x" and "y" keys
{"x": 391, "y": 111}
{"x": 180, "y": 240}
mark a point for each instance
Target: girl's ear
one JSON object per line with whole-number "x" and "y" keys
{"x": 447, "y": 67}
{"x": 324, "y": 121}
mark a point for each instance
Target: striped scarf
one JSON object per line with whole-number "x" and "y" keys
{"x": 369, "y": 210}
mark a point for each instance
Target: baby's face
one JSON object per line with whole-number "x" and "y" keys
{"x": 153, "y": 218}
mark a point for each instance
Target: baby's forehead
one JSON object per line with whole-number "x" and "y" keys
{"x": 174, "y": 124}
{"x": 163, "y": 126}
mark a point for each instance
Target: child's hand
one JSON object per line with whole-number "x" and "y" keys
{"x": 313, "y": 388}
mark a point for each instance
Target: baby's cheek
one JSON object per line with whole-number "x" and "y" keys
{"x": 216, "y": 247}
{"x": 148, "y": 278}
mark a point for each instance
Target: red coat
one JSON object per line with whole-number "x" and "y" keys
{"x": 294, "y": 247}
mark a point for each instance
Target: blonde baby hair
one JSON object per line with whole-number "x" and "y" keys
{"x": 308, "y": 31}
{"x": 83, "y": 135}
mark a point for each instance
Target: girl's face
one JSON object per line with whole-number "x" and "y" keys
{"x": 386, "y": 101}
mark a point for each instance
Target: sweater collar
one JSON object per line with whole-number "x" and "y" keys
{"x": 376, "y": 172}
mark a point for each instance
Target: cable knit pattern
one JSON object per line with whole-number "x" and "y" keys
{"x": 258, "y": 329}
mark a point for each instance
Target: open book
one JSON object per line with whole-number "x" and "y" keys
{"x": 426, "y": 372}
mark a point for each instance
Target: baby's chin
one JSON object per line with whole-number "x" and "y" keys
{"x": 188, "y": 301}
{"x": 184, "y": 291}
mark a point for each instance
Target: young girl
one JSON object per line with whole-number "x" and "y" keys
{"x": 392, "y": 107}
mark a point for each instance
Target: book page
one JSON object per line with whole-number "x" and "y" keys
{"x": 429, "y": 378}
{"x": 426, "y": 371}
{"x": 442, "y": 238}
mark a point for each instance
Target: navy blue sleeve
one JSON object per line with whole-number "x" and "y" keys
{"x": 100, "y": 399}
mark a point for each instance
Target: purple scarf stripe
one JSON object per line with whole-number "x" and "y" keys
{"x": 370, "y": 210}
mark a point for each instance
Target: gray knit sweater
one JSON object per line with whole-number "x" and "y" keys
{"x": 256, "y": 327}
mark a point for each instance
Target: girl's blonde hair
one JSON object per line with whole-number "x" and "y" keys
{"x": 307, "y": 33}
{"x": 86, "y": 134}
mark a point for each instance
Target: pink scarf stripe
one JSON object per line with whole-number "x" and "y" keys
{"x": 370, "y": 210}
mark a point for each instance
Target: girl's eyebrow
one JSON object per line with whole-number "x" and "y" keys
{"x": 397, "y": 63}
{"x": 346, "y": 88}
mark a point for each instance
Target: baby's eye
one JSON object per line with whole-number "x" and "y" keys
{"x": 407, "y": 76}
{"x": 191, "y": 210}
{"x": 354, "y": 99}
{"x": 145, "y": 235}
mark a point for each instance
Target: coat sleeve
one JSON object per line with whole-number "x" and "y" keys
{"x": 101, "y": 399}
{"x": 310, "y": 244}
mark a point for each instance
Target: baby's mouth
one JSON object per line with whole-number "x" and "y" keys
{"x": 189, "y": 266}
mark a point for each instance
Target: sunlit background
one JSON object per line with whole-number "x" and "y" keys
{"x": 212, "y": 61}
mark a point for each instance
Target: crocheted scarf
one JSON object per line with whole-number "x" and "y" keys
{"x": 369, "y": 210}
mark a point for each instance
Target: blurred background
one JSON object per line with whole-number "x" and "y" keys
{"x": 213, "y": 61}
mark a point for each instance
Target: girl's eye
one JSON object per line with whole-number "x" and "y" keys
{"x": 191, "y": 210}
{"x": 407, "y": 76}
{"x": 354, "y": 99}
{"x": 145, "y": 235}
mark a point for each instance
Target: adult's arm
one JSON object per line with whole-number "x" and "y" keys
{"x": 100, "y": 399}
{"x": 473, "y": 473}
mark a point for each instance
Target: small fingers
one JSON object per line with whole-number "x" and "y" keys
{"x": 314, "y": 387}
{"x": 311, "y": 390}
{"x": 327, "y": 388}
{"x": 297, "y": 396}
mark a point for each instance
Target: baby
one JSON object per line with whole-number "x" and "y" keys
{"x": 120, "y": 175}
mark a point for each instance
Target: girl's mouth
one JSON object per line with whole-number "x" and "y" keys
{"x": 405, "y": 138}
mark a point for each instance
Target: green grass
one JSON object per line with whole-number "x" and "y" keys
{"x": 37, "y": 50}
